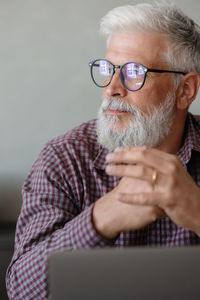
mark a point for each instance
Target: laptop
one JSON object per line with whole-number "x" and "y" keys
{"x": 125, "y": 273}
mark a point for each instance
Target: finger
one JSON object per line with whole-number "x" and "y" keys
{"x": 154, "y": 198}
{"x": 135, "y": 171}
{"x": 150, "y": 157}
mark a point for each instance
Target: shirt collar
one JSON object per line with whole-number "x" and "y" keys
{"x": 191, "y": 138}
{"x": 100, "y": 159}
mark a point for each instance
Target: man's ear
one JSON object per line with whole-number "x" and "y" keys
{"x": 187, "y": 90}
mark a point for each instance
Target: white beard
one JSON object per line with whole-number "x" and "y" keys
{"x": 144, "y": 129}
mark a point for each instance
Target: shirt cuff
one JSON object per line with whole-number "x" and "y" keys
{"x": 83, "y": 233}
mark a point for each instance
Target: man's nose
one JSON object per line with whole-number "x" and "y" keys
{"x": 115, "y": 88}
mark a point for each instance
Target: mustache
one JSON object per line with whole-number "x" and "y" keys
{"x": 118, "y": 104}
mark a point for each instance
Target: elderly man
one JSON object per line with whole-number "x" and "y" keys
{"x": 132, "y": 177}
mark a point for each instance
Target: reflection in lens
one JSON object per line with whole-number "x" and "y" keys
{"x": 102, "y": 72}
{"x": 131, "y": 71}
{"x": 133, "y": 76}
{"x": 104, "y": 68}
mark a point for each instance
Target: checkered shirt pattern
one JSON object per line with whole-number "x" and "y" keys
{"x": 58, "y": 198}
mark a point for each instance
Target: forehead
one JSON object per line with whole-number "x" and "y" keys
{"x": 145, "y": 48}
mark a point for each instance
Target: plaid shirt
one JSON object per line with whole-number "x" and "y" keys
{"x": 58, "y": 197}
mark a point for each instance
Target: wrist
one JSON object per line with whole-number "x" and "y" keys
{"x": 100, "y": 223}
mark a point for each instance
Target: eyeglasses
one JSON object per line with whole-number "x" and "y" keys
{"x": 132, "y": 74}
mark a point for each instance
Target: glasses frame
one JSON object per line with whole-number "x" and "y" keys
{"x": 114, "y": 67}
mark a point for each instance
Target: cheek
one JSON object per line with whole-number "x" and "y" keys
{"x": 140, "y": 99}
{"x": 147, "y": 97}
{"x": 157, "y": 87}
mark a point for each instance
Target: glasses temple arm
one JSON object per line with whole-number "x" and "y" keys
{"x": 165, "y": 71}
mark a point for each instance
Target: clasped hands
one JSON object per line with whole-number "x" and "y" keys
{"x": 153, "y": 184}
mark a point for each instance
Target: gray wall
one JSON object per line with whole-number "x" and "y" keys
{"x": 45, "y": 87}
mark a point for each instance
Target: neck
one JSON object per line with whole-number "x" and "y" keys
{"x": 173, "y": 141}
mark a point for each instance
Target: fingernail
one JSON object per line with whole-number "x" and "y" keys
{"x": 109, "y": 156}
{"x": 118, "y": 149}
{"x": 109, "y": 167}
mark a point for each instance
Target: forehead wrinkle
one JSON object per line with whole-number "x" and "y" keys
{"x": 130, "y": 46}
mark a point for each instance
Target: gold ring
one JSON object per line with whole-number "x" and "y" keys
{"x": 154, "y": 177}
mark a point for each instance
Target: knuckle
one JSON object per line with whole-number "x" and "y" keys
{"x": 154, "y": 213}
{"x": 124, "y": 150}
{"x": 125, "y": 170}
{"x": 172, "y": 182}
{"x": 129, "y": 148}
{"x": 173, "y": 168}
{"x": 141, "y": 171}
{"x": 120, "y": 155}
{"x": 144, "y": 151}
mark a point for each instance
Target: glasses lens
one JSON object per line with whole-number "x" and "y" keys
{"x": 102, "y": 72}
{"x": 133, "y": 76}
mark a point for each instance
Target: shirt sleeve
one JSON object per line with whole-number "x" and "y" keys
{"x": 51, "y": 219}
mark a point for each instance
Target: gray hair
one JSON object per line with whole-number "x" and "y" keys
{"x": 183, "y": 34}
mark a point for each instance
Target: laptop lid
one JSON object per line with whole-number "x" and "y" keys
{"x": 126, "y": 273}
